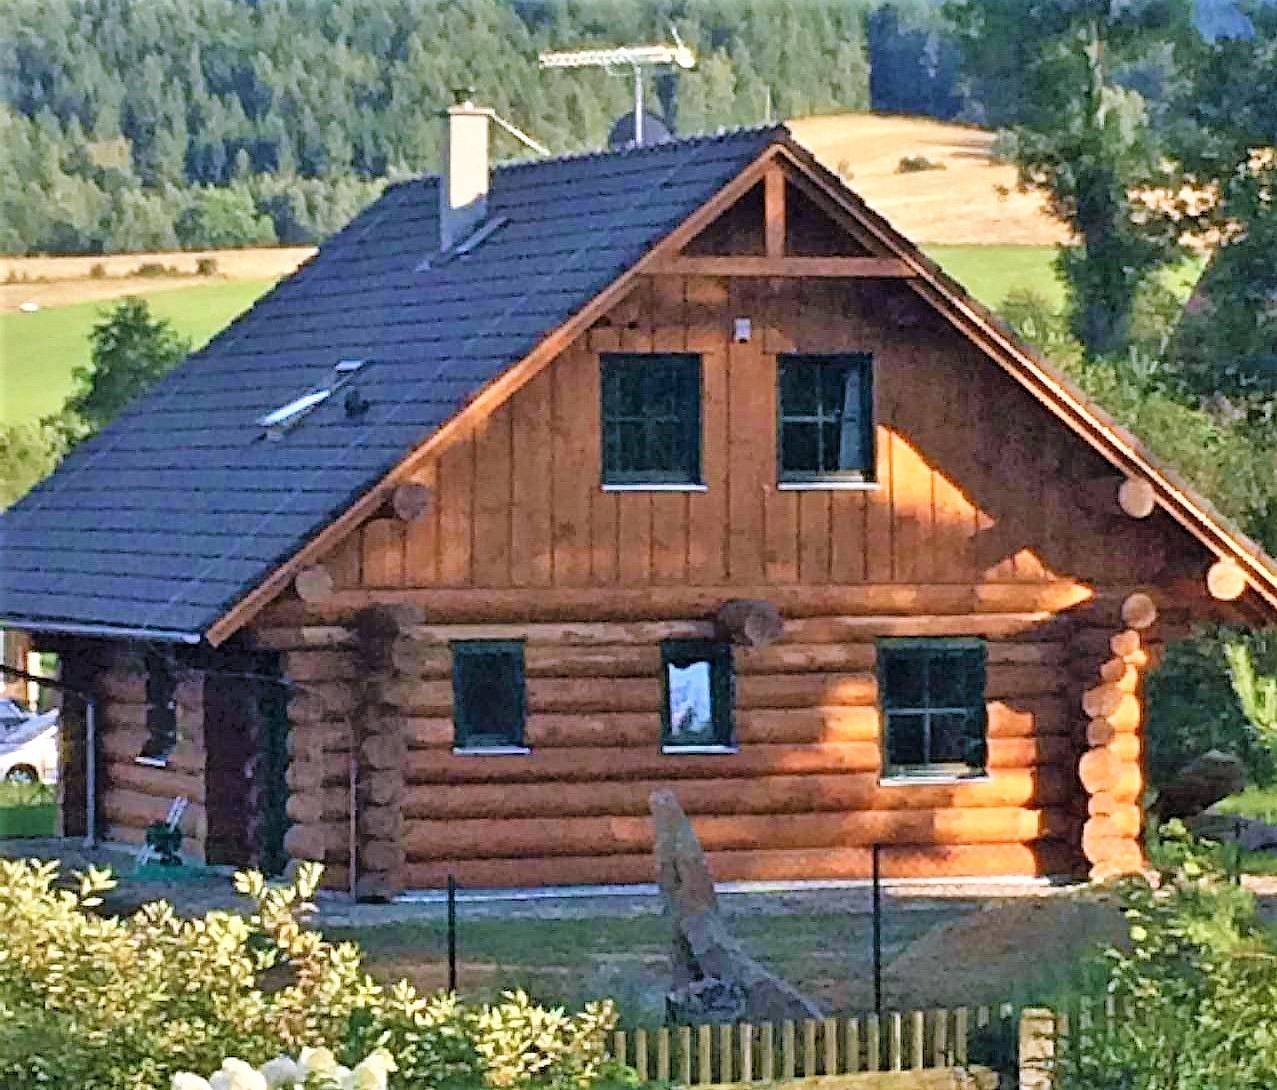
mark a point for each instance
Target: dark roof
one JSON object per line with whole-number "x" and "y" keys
{"x": 177, "y": 509}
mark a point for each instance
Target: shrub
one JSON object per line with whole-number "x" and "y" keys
{"x": 1193, "y": 706}
{"x": 1031, "y": 315}
{"x": 1197, "y": 981}
{"x": 206, "y": 266}
{"x": 153, "y": 269}
{"x": 128, "y": 1003}
{"x": 915, "y": 164}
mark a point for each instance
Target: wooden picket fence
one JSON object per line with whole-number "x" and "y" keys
{"x": 745, "y": 1052}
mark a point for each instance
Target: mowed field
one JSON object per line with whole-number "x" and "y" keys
{"x": 967, "y": 216}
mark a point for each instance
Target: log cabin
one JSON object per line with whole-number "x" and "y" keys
{"x": 546, "y": 485}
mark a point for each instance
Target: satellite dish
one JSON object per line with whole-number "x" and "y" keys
{"x": 655, "y": 131}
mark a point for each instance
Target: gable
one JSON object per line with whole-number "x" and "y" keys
{"x": 976, "y": 484}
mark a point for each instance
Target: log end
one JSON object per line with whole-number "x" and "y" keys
{"x": 749, "y": 622}
{"x": 1225, "y": 580}
{"x": 314, "y": 584}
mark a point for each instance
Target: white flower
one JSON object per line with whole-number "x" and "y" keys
{"x": 316, "y": 1061}
{"x": 370, "y": 1073}
{"x": 184, "y": 1080}
{"x": 237, "y": 1075}
{"x": 281, "y": 1072}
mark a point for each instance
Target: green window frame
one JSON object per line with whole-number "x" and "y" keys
{"x": 161, "y": 712}
{"x": 825, "y": 425}
{"x": 696, "y": 673}
{"x": 489, "y": 695}
{"x": 651, "y": 418}
{"x": 932, "y": 696}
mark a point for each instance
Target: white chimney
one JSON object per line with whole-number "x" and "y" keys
{"x": 463, "y": 189}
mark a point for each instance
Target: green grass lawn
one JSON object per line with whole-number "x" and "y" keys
{"x": 39, "y": 351}
{"x": 28, "y": 810}
{"x": 571, "y": 961}
{"x": 1259, "y": 803}
{"x": 989, "y": 272}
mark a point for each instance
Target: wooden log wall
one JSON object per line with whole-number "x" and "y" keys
{"x": 134, "y": 796}
{"x": 327, "y": 692}
{"x": 801, "y": 798}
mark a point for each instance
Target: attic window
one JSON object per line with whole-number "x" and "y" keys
{"x": 278, "y": 421}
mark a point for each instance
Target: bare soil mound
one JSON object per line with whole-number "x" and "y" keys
{"x": 996, "y": 954}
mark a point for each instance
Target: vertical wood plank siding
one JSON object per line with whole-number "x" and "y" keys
{"x": 973, "y": 476}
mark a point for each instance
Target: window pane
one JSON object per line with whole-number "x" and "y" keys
{"x": 906, "y": 680}
{"x": 651, "y": 418}
{"x": 906, "y": 739}
{"x": 629, "y": 390}
{"x": 851, "y": 441}
{"x": 948, "y": 738}
{"x": 488, "y": 692}
{"x": 950, "y": 683}
{"x": 691, "y": 703}
{"x": 631, "y": 445}
{"x": 799, "y": 388}
{"x": 800, "y": 448}
{"x": 829, "y": 433}
{"x": 698, "y": 690}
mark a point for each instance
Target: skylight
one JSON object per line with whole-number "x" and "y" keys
{"x": 285, "y": 413}
{"x": 278, "y": 421}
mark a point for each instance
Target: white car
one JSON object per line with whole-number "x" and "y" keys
{"x": 28, "y": 744}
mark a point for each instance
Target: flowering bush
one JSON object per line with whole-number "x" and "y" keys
{"x": 314, "y": 1069}
{"x": 141, "y": 1002}
{"x": 1196, "y": 982}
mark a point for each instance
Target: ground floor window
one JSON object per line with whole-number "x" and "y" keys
{"x": 161, "y": 712}
{"x": 698, "y": 695}
{"x": 933, "y": 705}
{"x": 488, "y": 696}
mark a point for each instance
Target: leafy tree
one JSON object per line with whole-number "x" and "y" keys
{"x": 1193, "y": 706}
{"x": 224, "y": 217}
{"x": 28, "y": 454}
{"x": 1083, "y": 139}
{"x": 1225, "y": 112}
{"x": 131, "y": 352}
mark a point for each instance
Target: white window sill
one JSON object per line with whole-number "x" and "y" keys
{"x": 675, "y": 751}
{"x": 931, "y": 779}
{"x": 655, "y": 488}
{"x": 828, "y": 486}
{"x": 491, "y": 751}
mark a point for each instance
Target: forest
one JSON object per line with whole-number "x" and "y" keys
{"x": 210, "y": 123}
{"x": 194, "y": 123}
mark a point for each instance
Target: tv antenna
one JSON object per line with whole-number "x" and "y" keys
{"x": 636, "y": 56}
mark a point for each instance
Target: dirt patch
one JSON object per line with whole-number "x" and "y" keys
{"x": 971, "y": 201}
{"x": 1002, "y": 952}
